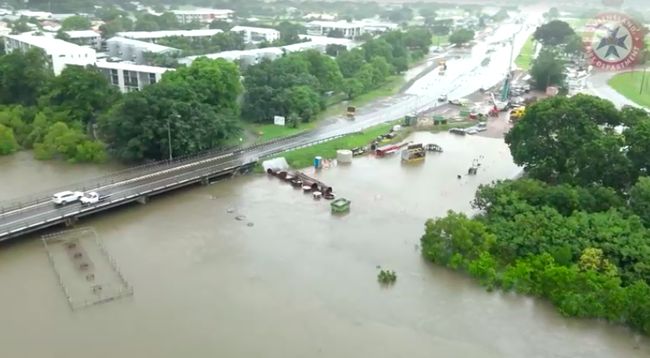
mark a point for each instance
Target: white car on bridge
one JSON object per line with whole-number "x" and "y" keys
{"x": 66, "y": 197}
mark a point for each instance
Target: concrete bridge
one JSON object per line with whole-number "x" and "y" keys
{"x": 138, "y": 184}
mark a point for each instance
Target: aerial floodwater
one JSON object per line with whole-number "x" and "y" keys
{"x": 251, "y": 267}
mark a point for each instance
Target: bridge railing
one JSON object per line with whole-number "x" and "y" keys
{"x": 130, "y": 173}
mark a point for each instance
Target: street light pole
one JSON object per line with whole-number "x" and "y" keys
{"x": 169, "y": 139}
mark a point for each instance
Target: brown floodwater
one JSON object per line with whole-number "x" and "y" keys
{"x": 299, "y": 282}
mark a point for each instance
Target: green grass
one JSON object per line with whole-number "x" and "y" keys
{"x": 304, "y": 157}
{"x": 629, "y": 85}
{"x": 339, "y": 106}
{"x": 266, "y": 132}
{"x": 439, "y": 40}
{"x": 525, "y": 58}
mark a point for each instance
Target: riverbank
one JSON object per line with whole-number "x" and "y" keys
{"x": 303, "y": 157}
{"x": 337, "y": 106}
{"x": 633, "y": 86}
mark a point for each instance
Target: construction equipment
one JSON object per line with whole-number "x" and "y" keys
{"x": 517, "y": 113}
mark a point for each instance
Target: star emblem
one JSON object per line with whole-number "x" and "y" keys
{"x": 612, "y": 42}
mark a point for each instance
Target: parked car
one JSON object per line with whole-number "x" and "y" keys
{"x": 471, "y": 130}
{"x": 66, "y": 197}
{"x": 457, "y": 131}
{"x": 459, "y": 101}
{"x": 442, "y": 98}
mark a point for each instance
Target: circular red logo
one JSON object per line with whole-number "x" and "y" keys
{"x": 613, "y": 41}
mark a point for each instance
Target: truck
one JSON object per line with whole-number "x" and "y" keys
{"x": 351, "y": 112}
{"x": 92, "y": 197}
{"x": 517, "y": 113}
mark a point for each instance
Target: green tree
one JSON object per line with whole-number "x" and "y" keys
{"x": 560, "y": 140}
{"x": 553, "y": 33}
{"x": 350, "y": 62}
{"x": 640, "y": 199}
{"x": 76, "y": 22}
{"x": 334, "y": 50}
{"x": 8, "y": 143}
{"x": 221, "y": 25}
{"x": 82, "y": 92}
{"x": 62, "y": 141}
{"x": 22, "y": 76}
{"x": 214, "y": 82}
{"x": 137, "y": 128}
{"x": 574, "y": 45}
{"x": 352, "y": 87}
{"x": 147, "y": 22}
{"x": 290, "y": 32}
{"x": 461, "y": 36}
{"x": 547, "y": 70}
{"x": 325, "y": 70}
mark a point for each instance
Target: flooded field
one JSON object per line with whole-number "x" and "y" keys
{"x": 251, "y": 267}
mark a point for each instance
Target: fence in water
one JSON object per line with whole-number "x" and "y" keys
{"x": 87, "y": 273}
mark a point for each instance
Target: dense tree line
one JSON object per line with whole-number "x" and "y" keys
{"x": 52, "y": 115}
{"x": 225, "y": 41}
{"x": 80, "y": 117}
{"x": 577, "y": 230}
{"x": 295, "y": 84}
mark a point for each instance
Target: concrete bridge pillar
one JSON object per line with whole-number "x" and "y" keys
{"x": 70, "y": 221}
{"x": 143, "y": 199}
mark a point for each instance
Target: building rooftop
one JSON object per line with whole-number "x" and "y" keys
{"x": 315, "y": 42}
{"x": 254, "y": 29}
{"x": 338, "y": 24}
{"x": 203, "y": 12}
{"x": 82, "y": 34}
{"x": 148, "y": 46}
{"x": 169, "y": 33}
{"x": 129, "y": 66}
{"x": 48, "y": 44}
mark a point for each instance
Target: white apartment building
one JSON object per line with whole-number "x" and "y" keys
{"x": 154, "y": 36}
{"x": 134, "y": 50}
{"x": 350, "y": 30}
{"x": 257, "y": 34}
{"x": 59, "y": 53}
{"x": 253, "y": 56}
{"x": 129, "y": 77}
{"x": 86, "y": 38}
{"x": 202, "y": 15}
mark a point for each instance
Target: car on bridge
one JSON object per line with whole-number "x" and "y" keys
{"x": 92, "y": 198}
{"x": 66, "y": 197}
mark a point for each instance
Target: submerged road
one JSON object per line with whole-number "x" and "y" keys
{"x": 465, "y": 75}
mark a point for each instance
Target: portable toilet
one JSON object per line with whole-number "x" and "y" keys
{"x": 318, "y": 162}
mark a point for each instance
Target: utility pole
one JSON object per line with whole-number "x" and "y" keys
{"x": 169, "y": 135}
{"x": 169, "y": 139}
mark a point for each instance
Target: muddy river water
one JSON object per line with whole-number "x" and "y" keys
{"x": 287, "y": 279}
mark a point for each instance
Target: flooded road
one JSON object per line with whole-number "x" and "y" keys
{"x": 299, "y": 282}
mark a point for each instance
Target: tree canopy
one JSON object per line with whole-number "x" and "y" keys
{"x": 555, "y": 32}
{"x": 548, "y": 69}
{"x": 461, "y": 36}
{"x": 76, "y": 22}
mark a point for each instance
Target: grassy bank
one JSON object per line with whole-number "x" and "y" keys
{"x": 629, "y": 84}
{"x": 337, "y": 106}
{"x": 440, "y": 40}
{"x": 304, "y": 157}
{"x": 525, "y": 57}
